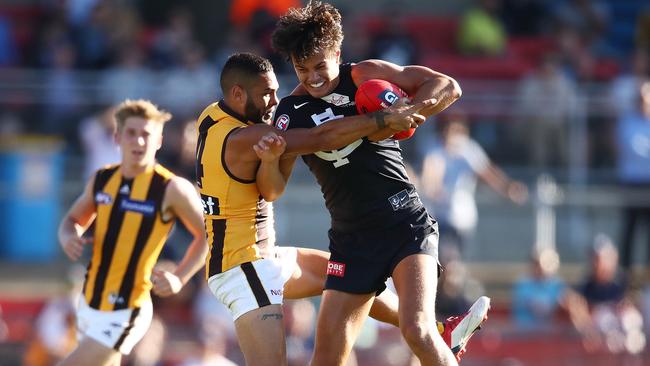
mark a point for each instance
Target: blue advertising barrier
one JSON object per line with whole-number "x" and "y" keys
{"x": 31, "y": 170}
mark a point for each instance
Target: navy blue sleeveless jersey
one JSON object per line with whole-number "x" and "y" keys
{"x": 364, "y": 184}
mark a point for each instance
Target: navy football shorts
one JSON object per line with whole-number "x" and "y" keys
{"x": 362, "y": 261}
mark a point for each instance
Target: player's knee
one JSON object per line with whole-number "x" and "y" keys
{"x": 417, "y": 331}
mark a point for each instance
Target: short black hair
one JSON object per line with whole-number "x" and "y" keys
{"x": 241, "y": 67}
{"x": 303, "y": 32}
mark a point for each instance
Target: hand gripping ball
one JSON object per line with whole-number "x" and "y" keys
{"x": 375, "y": 94}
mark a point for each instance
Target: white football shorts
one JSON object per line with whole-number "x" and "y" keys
{"x": 119, "y": 329}
{"x": 256, "y": 284}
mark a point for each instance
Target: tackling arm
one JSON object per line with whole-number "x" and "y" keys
{"x": 273, "y": 173}
{"x": 328, "y": 136}
{"x": 344, "y": 131}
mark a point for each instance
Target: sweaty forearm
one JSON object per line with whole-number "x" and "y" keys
{"x": 270, "y": 180}
{"x": 445, "y": 90}
{"x": 382, "y": 134}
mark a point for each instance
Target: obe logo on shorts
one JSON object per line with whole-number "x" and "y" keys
{"x": 335, "y": 269}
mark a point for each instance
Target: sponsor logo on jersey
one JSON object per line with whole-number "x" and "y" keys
{"x": 338, "y": 99}
{"x": 335, "y": 268}
{"x": 210, "y": 205}
{"x": 144, "y": 207}
{"x": 282, "y": 123}
{"x": 296, "y": 106}
{"x": 125, "y": 189}
{"x": 103, "y": 198}
{"x": 399, "y": 200}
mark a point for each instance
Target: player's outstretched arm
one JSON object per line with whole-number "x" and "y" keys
{"x": 328, "y": 136}
{"x": 183, "y": 201}
{"x": 75, "y": 222}
{"x": 501, "y": 183}
{"x": 338, "y": 133}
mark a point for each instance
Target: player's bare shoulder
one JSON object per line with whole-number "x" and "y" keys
{"x": 179, "y": 192}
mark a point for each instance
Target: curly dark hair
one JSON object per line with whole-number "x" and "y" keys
{"x": 303, "y": 32}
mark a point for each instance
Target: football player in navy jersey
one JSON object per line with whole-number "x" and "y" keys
{"x": 244, "y": 268}
{"x": 380, "y": 228}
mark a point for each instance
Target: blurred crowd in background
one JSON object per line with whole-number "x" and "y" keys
{"x": 556, "y": 94}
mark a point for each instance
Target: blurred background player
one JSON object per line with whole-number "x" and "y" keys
{"x": 633, "y": 168}
{"x": 56, "y": 325}
{"x": 133, "y": 206}
{"x": 449, "y": 176}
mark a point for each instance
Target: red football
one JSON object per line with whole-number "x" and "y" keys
{"x": 375, "y": 94}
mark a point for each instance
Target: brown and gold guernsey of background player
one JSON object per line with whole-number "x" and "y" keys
{"x": 129, "y": 235}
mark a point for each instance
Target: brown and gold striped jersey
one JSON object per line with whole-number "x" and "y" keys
{"x": 129, "y": 235}
{"x": 238, "y": 221}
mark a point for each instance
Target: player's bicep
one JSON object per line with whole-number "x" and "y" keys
{"x": 183, "y": 201}
{"x": 409, "y": 78}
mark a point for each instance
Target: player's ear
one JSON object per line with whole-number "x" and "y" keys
{"x": 338, "y": 56}
{"x": 116, "y": 136}
{"x": 238, "y": 93}
{"x": 160, "y": 141}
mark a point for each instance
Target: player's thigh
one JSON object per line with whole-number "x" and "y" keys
{"x": 416, "y": 279}
{"x": 340, "y": 319}
{"x": 308, "y": 279}
{"x": 89, "y": 352}
{"x": 261, "y": 336}
{"x": 341, "y": 310}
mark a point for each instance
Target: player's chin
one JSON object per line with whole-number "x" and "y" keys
{"x": 318, "y": 92}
